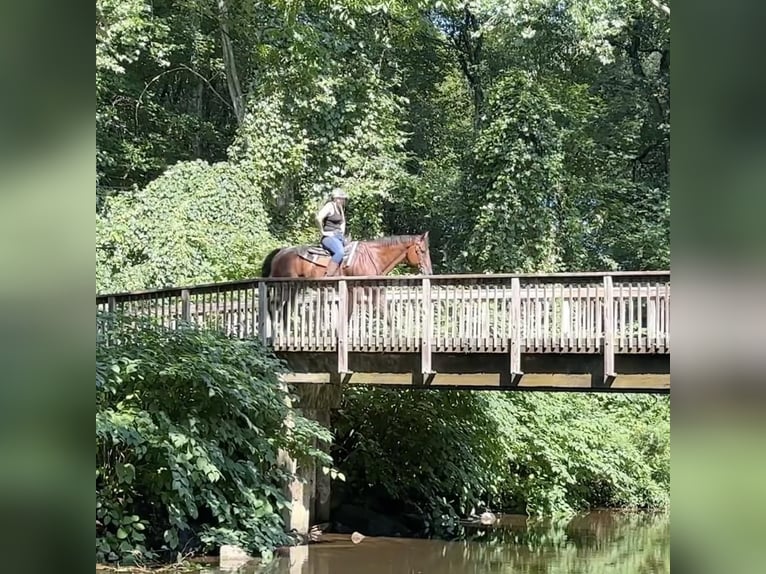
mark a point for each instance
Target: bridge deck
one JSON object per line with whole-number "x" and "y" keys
{"x": 590, "y": 326}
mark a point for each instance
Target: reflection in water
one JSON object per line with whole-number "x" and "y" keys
{"x": 594, "y": 543}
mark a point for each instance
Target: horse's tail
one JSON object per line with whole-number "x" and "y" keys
{"x": 266, "y": 267}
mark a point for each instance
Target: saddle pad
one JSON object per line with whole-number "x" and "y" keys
{"x": 314, "y": 253}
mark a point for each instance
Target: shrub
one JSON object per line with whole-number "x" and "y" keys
{"x": 449, "y": 453}
{"x": 188, "y": 428}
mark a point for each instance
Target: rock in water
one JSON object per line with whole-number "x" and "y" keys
{"x": 356, "y": 537}
{"x": 232, "y": 557}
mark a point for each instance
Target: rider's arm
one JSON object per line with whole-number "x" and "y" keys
{"x": 322, "y": 215}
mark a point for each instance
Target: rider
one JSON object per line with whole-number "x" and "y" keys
{"x": 332, "y": 225}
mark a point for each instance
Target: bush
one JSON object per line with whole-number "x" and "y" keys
{"x": 196, "y": 223}
{"x": 450, "y": 453}
{"x": 569, "y": 452}
{"x": 188, "y": 428}
{"x": 437, "y": 455}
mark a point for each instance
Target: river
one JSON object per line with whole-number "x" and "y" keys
{"x": 593, "y": 543}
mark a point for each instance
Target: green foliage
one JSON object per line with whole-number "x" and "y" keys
{"x": 566, "y": 165}
{"x": 197, "y": 223}
{"x": 439, "y": 457}
{"x": 568, "y": 453}
{"x": 531, "y": 136}
{"x": 526, "y": 136}
{"x": 452, "y": 453}
{"x": 518, "y": 165}
{"x": 337, "y": 127}
{"x": 159, "y": 92}
{"x": 188, "y": 428}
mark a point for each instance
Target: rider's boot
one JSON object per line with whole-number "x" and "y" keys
{"x": 332, "y": 269}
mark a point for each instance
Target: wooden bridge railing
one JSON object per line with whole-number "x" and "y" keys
{"x": 597, "y": 313}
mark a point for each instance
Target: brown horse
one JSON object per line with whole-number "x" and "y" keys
{"x": 376, "y": 257}
{"x": 362, "y": 258}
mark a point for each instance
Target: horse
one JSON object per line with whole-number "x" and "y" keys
{"x": 375, "y": 257}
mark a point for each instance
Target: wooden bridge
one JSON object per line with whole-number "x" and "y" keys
{"x": 575, "y": 331}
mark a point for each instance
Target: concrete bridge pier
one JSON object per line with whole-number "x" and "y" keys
{"x": 309, "y": 491}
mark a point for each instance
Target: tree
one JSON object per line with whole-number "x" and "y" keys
{"x": 197, "y": 223}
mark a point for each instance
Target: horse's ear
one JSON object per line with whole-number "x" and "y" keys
{"x": 425, "y": 235}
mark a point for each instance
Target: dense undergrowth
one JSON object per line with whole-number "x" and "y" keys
{"x": 188, "y": 428}
{"x": 443, "y": 455}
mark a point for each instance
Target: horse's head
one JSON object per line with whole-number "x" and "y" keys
{"x": 419, "y": 256}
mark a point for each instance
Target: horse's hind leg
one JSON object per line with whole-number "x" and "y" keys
{"x": 290, "y": 311}
{"x": 274, "y": 306}
{"x": 285, "y": 311}
{"x": 277, "y": 309}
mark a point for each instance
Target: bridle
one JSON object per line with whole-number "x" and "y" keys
{"x": 421, "y": 257}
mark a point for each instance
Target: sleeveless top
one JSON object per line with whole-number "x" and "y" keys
{"x": 333, "y": 223}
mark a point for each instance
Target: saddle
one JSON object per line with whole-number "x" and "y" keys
{"x": 318, "y": 255}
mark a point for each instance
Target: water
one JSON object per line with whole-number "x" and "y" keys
{"x": 593, "y": 543}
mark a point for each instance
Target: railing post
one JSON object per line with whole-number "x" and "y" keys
{"x": 609, "y": 374}
{"x": 426, "y": 336}
{"x": 342, "y": 328}
{"x": 185, "y": 306}
{"x": 515, "y": 344}
{"x": 263, "y": 313}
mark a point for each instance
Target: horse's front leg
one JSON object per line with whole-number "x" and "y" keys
{"x": 354, "y": 296}
{"x": 381, "y": 308}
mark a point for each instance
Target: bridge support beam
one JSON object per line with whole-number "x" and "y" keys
{"x": 309, "y": 491}
{"x": 342, "y": 327}
{"x": 427, "y": 339}
{"x": 515, "y": 342}
{"x": 609, "y": 373}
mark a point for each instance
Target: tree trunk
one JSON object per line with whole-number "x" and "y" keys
{"x": 230, "y": 64}
{"x": 468, "y": 45}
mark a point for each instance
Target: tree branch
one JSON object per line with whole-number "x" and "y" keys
{"x": 469, "y": 57}
{"x": 176, "y": 69}
{"x": 660, "y": 6}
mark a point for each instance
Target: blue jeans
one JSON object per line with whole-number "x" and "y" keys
{"x": 335, "y": 245}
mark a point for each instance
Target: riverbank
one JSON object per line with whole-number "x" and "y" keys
{"x": 590, "y": 543}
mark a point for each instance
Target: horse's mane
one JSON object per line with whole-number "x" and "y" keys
{"x": 364, "y": 255}
{"x": 391, "y": 240}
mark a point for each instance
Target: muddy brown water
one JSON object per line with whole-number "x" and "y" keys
{"x": 593, "y": 543}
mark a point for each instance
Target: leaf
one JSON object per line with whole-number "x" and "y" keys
{"x": 125, "y": 472}
{"x": 121, "y": 533}
{"x": 170, "y": 536}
